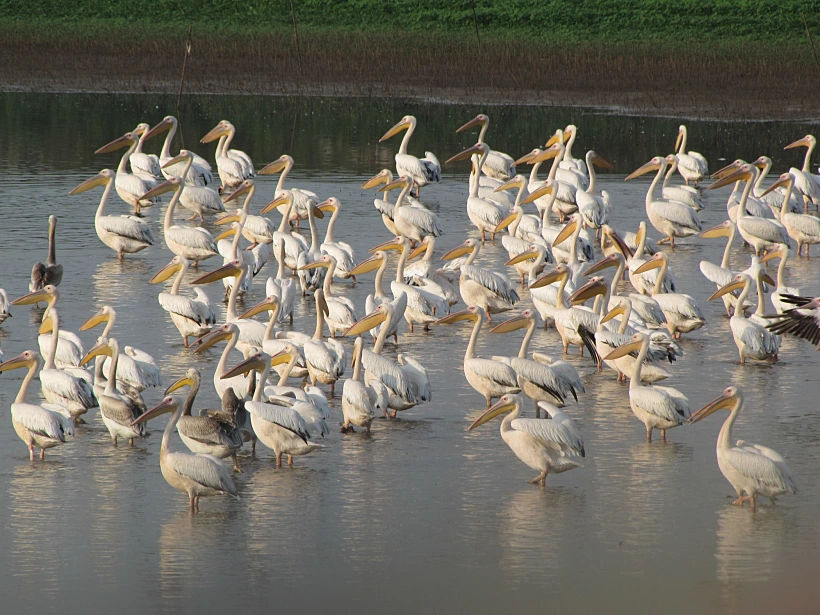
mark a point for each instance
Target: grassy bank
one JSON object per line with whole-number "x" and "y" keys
{"x": 722, "y": 58}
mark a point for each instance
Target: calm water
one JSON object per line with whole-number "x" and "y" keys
{"x": 422, "y": 515}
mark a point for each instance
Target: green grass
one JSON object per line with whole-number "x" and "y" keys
{"x": 765, "y": 22}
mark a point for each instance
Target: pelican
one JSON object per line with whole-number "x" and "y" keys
{"x": 691, "y": 165}
{"x": 233, "y": 166}
{"x": 214, "y": 433}
{"x": 272, "y": 345}
{"x": 752, "y": 339}
{"x": 197, "y": 475}
{"x": 200, "y": 200}
{"x": 486, "y": 214}
{"x": 256, "y": 229}
{"x": 777, "y": 296}
{"x": 490, "y": 378}
{"x": 490, "y": 290}
{"x": 145, "y": 166}
{"x": 644, "y": 283}
{"x": 341, "y": 251}
{"x": 754, "y": 206}
{"x": 523, "y": 228}
{"x": 565, "y": 197}
{"x": 341, "y": 312}
{"x": 806, "y": 182}
{"x": 571, "y": 178}
{"x": 191, "y": 242}
{"x": 802, "y": 320}
{"x": 51, "y": 272}
{"x": 542, "y": 298}
{"x": 278, "y": 427}
{"x": 804, "y": 229}
{"x": 773, "y": 197}
{"x": 130, "y": 187}
{"x": 303, "y": 200}
{"x": 379, "y": 261}
{"x": 656, "y": 406}
{"x": 553, "y": 445}
{"x": 424, "y": 273}
{"x": 498, "y": 164}
{"x": 70, "y": 346}
{"x": 398, "y": 379}
{"x": 670, "y": 218}
{"x": 4, "y": 306}
{"x": 199, "y": 174}
{"x": 682, "y": 194}
{"x": 294, "y": 243}
{"x": 571, "y": 232}
{"x": 568, "y": 161}
{"x": 682, "y": 312}
{"x": 383, "y": 205}
{"x": 228, "y": 332}
{"x": 721, "y": 274}
{"x": 190, "y": 316}
{"x": 357, "y": 407}
{"x": 229, "y": 249}
{"x": 117, "y": 410}
{"x": 580, "y": 250}
{"x": 325, "y": 359}
{"x": 38, "y": 425}
{"x": 136, "y": 368}
{"x": 752, "y": 469}
{"x": 123, "y": 234}
{"x": 282, "y": 287}
{"x": 415, "y": 223}
{"x": 594, "y": 209}
{"x": 538, "y": 381}
{"x": 422, "y": 171}
{"x": 760, "y": 233}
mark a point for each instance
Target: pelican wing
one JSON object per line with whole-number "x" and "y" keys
{"x": 808, "y": 225}
{"x": 204, "y": 197}
{"x": 655, "y": 400}
{"x": 680, "y": 401}
{"x": 390, "y": 374}
{"x": 677, "y": 213}
{"x": 69, "y": 387}
{"x": 41, "y": 421}
{"x": 751, "y": 461}
{"x": 553, "y": 434}
{"x": 762, "y": 228}
{"x": 541, "y": 376}
{"x": 319, "y": 356}
{"x": 495, "y": 371}
{"x": 209, "y": 430}
{"x": 424, "y": 220}
{"x": 147, "y": 164}
{"x": 286, "y": 418}
{"x": 132, "y": 184}
{"x": 492, "y": 281}
{"x": 128, "y": 370}
{"x": 715, "y": 273}
{"x": 128, "y": 227}
{"x": 417, "y": 375}
{"x": 206, "y": 470}
{"x": 179, "y": 304}
{"x": 678, "y": 303}
{"x": 754, "y": 335}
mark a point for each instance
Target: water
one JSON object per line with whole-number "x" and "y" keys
{"x": 422, "y": 515}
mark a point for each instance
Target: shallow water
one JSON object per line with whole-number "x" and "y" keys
{"x": 422, "y": 515}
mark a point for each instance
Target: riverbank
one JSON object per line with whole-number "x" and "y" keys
{"x": 743, "y": 80}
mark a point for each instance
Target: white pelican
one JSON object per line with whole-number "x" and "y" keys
{"x": 486, "y": 214}
{"x": 760, "y": 233}
{"x": 594, "y": 208}
{"x": 682, "y": 194}
{"x": 191, "y": 242}
{"x": 682, "y": 312}
{"x": 568, "y": 319}
{"x": 537, "y": 380}
{"x": 277, "y": 426}
{"x": 228, "y": 332}
{"x": 568, "y": 161}
{"x": 325, "y": 359}
{"x": 656, "y": 406}
{"x": 490, "y": 378}
{"x": 570, "y": 234}
{"x": 422, "y": 171}
{"x": 565, "y": 197}
{"x": 807, "y": 183}
{"x": 415, "y": 223}
{"x": 383, "y": 205}
{"x": 51, "y": 272}
{"x": 341, "y": 251}
{"x": 272, "y": 345}
{"x": 70, "y": 346}
{"x": 233, "y": 166}
{"x": 123, "y": 234}
{"x": 543, "y": 298}
{"x": 118, "y": 411}
{"x": 644, "y": 283}
{"x": 190, "y": 316}
{"x": 38, "y": 425}
{"x": 691, "y": 165}
{"x": 284, "y": 288}
{"x": 136, "y": 367}
{"x": 526, "y": 228}
{"x": 309, "y": 279}
{"x": 490, "y": 290}
{"x": 378, "y": 369}
{"x": 572, "y": 178}
{"x": 580, "y": 250}
{"x": 754, "y": 206}
{"x": 294, "y": 243}
{"x": 256, "y": 229}
{"x": 670, "y": 218}
{"x": 215, "y": 433}
{"x": 229, "y": 249}
{"x": 721, "y": 274}
{"x": 773, "y": 197}
{"x": 4, "y": 306}
{"x": 498, "y": 164}
{"x": 752, "y": 469}
{"x": 554, "y": 445}
{"x": 197, "y": 475}
{"x": 357, "y": 407}
{"x": 130, "y": 187}
{"x": 803, "y": 228}
{"x": 302, "y": 199}
{"x": 802, "y": 320}
{"x": 379, "y": 261}
{"x": 341, "y": 312}
{"x": 200, "y": 173}
{"x": 777, "y": 295}
{"x": 425, "y": 273}
{"x": 200, "y": 200}
{"x": 145, "y": 166}
{"x": 752, "y": 339}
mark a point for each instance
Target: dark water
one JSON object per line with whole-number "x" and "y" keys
{"x": 422, "y": 515}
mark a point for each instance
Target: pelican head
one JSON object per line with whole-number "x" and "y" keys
{"x": 403, "y": 181}
{"x": 177, "y": 264}
{"x": 548, "y": 188}
{"x": 517, "y": 182}
{"x": 103, "y": 316}
{"x": 681, "y": 136}
{"x": 559, "y": 137}
{"x": 408, "y": 121}
{"x": 479, "y": 120}
{"x": 141, "y": 129}
{"x": 553, "y": 151}
{"x": 744, "y": 172}
{"x": 633, "y": 345}
{"x": 613, "y": 260}
{"x": 478, "y": 148}
{"x": 326, "y": 261}
{"x": 530, "y": 254}
{"x": 569, "y": 228}
{"x": 731, "y": 399}
{"x": 618, "y": 310}
{"x": 167, "y": 123}
{"x": 526, "y": 157}
{"x": 282, "y": 199}
{"x": 190, "y": 379}
{"x": 724, "y": 229}
{"x": 787, "y": 179}
{"x": 103, "y": 347}
{"x": 656, "y": 262}
{"x": 653, "y": 165}
{"x": 47, "y": 293}
{"x": 596, "y": 286}
{"x": 371, "y": 321}
{"x": 258, "y": 362}
{"x": 728, "y": 169}
{"x": 169, "y": 404}
{"x": 244, "y": 188}
{"x": 782, "y": 252}
{"x": 103, "y": 178}
{"x": 508, "y": 403}
{"x": 280, "y": 164}
{"x": 223, "y": 128}
{"x": 397, "y": 244}
{"x": 427, "y": 244}
{"x": 468, "y": 247}
{"x": 234, "y": 229}
{"x": 371, "y": 264}
{"x": 738, "y": 282}
{"x": 127, "y": 140}
{"x": 26, "y": 359}
{"x": 232, "y": 268}
{"x": 268, "y": 304}
{"x": 330, "y": 205}
{"x": 807, "y": 141}
{"x": 612, "y": 235}
{"x": 522, "y": 321}
{"x": 184, "y": 155}
{"x": 473, "y": 313}
{"x": 385, "y": 176}
{"x": 599, "y": 161}
{"x": 170, "y": 185}
{"x": 553, "y": 275}
{"x": 219, "y": 334}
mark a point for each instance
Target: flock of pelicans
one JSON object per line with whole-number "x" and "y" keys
{"x": 552, "y": 249}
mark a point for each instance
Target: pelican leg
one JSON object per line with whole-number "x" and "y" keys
{"x": 664, "y": 240}
{"x": 290, "y": 461}
{"x": 191, "y": 500}
{"x": 367, "y": 430}
{"x": 541, "y": 478}
{"x": 278, "y": 460}
{"x": 580, "y": 351}
{"x": 130, "y": 441}
{"x": 537, "y": 410}
{"x": 649, "y": 434}
{"x": 120, "y": 254}
{"x": 333, "y": 389}
{"x": 236, "y": 464}
{"x": 253, "y": 447}
{"x": 114, "y": 438}
{"x": 489, "y": 402}
{"x": 192, "y": 217}
{"x": 663, "y": 436}
{"x": 393, "y": 415}
{"x": 42, "y": 454}
{"x": 31, "y": 452}
{"x": 483, "y": 238}
{"x": 196, "y": 504}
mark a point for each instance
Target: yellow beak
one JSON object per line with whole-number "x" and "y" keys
{"x": 123, "y": 141}
{"x": 182, "y": 382}
{"x": 724, "y": 401}
{"x": 623, "y": 350}
{"x": 513, "y": 324}
{"x": 804, "y": 142}
{"x": 15, "y": 363}
{"x": 724, "y": 290}
{"x": 457, "y": 317}
{"x": 498, "y": 409}
{"x": 162, "y": 189}
{"x": 475, "y": 149}
{"x": 370, "y": 321}
{"x": 520, "y": 258}
{"x": 618, "y": 311}
{"x": 31, "y": 298}
{"x": 537, "y": 194}
{"x": 275, "y": 203}
{"x": 165, "y": 273}
{"x": 254, "y": 362}
{"x": 268, "y": 304}
{"x": 100, "y": 349}
{"x": 97, "y": 180}
{"x": 402, "y": 125}
{"x": 272, "y": 168}
{"x": 218, "y": 274}
{"x": 566, "y": 232}
{"x": 457, "y": 251}
{"x": 95, "y": 320}
{"x": 646, "y": 168}
{"x": 371, "y": 264}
